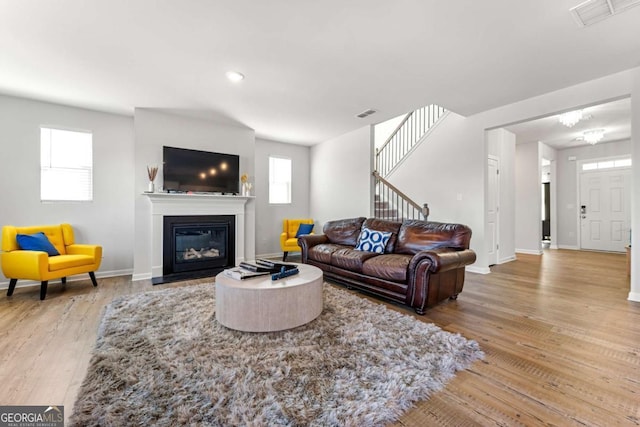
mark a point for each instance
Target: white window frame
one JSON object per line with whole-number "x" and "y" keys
{"x": 64, "y": 178}
{"x": 607, "y": 163}
{"x": 277, "y": 185}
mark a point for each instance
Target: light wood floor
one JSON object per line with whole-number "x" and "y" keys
{"x": 562, "y": 343}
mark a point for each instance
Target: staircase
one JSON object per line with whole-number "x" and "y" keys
{"x": 394, "y": 205}
{"x": 391, "y": 203}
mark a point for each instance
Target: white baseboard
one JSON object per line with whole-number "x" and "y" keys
{"x": 507, "y": 259}
{"x": 529, "y": 251}
{"x": 554, "y": 247}
{"x": 113, "y": 273}
{"x": 273, "y": 255}
{"x": 141, "y": 276}
{"x": 75, "y": 278}
{"x": 634, "y": 296}
{"x": 572, "y": 248}
{"x": 477, "y": 269}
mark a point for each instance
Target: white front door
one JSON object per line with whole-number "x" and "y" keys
{"x": 605, "y": 209}
{"x": 492, "y": 208}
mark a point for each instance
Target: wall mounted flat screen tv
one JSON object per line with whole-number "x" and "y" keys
{"x": 200, "y": 171}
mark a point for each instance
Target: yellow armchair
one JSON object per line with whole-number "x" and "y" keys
{"x": 35, "y": 265}
{"x": 288, "y": 239}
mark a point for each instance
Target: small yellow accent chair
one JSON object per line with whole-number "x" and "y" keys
{"x": 288, "y": 239}
{"x": 36, "y": 265}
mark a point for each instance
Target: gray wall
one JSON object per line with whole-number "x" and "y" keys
{"x": 452, "y": 164}
{"x": 463, "y": 147}
{"x": 528, "y": 216}
{"x": 340, "y": 167}
{"x": 568, "y": 215}
{"x": 447, "y": 172}
{"x": 634, "y": 292}
{"x": 156, "y": 128}
{"x": 108, "y": 219}
{"x": 502, "y": 144}
{"x": 341, "y": 177}
{"x": 269, "y": 217}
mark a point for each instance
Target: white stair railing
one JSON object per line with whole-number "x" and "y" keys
{"x": 390, "y": 202}
{"x": 394, "y": 205}
{"x": 406, "y": 136}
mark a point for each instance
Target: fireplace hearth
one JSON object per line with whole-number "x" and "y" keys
{"x": 196, "y": 246}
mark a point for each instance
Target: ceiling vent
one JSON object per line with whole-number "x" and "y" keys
{"x": 592, "y": 11}
{"x": 369, "y": 112}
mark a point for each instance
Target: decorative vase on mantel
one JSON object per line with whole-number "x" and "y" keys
{"x": 152, "y": 171}
{"x": 246, "y": 188}
{"x": 246, "y": 185}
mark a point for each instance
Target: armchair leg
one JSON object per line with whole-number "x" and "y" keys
{"x": 93, "y": 278}
{"x": 43, "y": 289}
{"x": 284, "y": 256}
{"x": 63, "y": 280}
{"x": 12, "y": 286}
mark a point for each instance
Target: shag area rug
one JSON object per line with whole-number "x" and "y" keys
{"x": 162, "y": 359}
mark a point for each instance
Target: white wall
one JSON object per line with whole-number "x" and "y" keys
{"x": 568, "y": 209}
{"x": 340, "y": 167}
{"x": 447, "y": 172}
{"x": 585, "y": 94}
{"x": 153, "y": 130}
{"x": 341, "y": 177}
{"x": 383, "y": 130}
{"x": 108, "y": 219}
{"x": 462, "y": 148}
{"x": 502, "y": 144}
{"x": 528, "y": 217}
{"x": 269, "y": 217}
{"x": 634, "y": 292}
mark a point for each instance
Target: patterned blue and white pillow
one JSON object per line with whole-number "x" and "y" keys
{"x": 373, "y": 240}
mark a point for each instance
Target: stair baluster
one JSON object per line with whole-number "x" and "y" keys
{"x": 390, "y": 202}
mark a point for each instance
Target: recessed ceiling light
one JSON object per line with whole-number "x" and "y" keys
{"x": 235, "y": 76}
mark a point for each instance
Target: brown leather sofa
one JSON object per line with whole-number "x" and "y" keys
{"x": 423, "y": 262}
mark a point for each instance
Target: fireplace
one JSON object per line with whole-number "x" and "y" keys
{"x": 198, "y": 244}
{"x": 149, "y": 259}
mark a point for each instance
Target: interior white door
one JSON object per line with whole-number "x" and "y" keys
{"x": 492, "y": 208}
{"x": 605, "y": 209}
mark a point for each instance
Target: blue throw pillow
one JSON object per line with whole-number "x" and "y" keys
{"x": 373, "y": 240}
{"x": 36, "y": 242}
{"x": 304, "y": 229}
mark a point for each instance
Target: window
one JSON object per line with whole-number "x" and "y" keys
{"x": 279, "y": 180}
{"x": 607, "y": 164}
{"x": 66, "y": 165}
{"x": 622, "y": 163}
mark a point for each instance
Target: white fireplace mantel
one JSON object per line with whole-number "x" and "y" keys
{"x": 165, "y": 204}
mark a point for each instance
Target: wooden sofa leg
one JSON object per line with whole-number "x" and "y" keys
{"x": 453, "y": 297}
{"x": 420, "y": 311}
{"x": 43, "y": 289}
{"x": 63, "y": 280}
{"x": 284, "y": 256}
{"x": 12, "y": 286}
{"x": 93, "y": 278}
